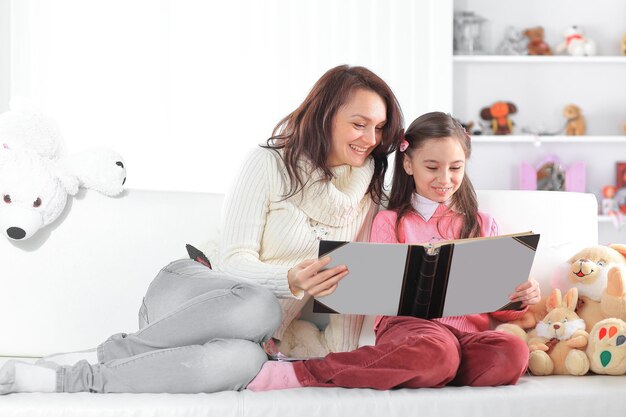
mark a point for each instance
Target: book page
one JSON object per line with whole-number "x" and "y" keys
{"x": 469, "y": 239}
{"x": 374, "y": 283}
{"x": 483, "y": 272}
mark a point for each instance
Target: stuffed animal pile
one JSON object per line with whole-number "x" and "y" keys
{"x": 595, "y": 278}
{"x": 36, "y": 175}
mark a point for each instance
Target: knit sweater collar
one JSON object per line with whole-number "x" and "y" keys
{"x": 340, "y": 201}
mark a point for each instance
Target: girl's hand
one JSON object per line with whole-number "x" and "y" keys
{"x": 528, "y": 293}
{"x": 308, "y": 276}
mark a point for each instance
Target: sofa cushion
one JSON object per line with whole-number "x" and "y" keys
{"x": 569, "y": 396}
{"x": 83, "y": 278}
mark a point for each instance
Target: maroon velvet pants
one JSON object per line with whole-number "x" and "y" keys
{"x": 417, "y": 353}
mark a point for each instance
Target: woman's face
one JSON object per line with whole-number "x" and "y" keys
{"x": 438, "y": 168}
{"x": 357, "y": 129}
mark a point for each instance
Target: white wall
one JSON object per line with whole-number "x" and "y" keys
{"x": 5, "y": 30}
{"x": 182, "y": 89}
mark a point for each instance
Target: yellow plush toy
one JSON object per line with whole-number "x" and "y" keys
{"x": 302, "y": 339}
{"x": 560, "y": 337}
{"x": 598, "y": 272}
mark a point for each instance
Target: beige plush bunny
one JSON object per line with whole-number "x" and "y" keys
{"x": 557, "y": 347}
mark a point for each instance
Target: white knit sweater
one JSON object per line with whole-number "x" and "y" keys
{"x": 263, "y": 235}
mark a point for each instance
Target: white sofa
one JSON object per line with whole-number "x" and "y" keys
{"x": 83, "y": 278}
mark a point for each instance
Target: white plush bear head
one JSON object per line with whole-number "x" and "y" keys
{"x": 34, "y": 192}
{"x": 35, "y": 180}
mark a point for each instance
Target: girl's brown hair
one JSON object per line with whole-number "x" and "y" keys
{"x": 434, "y": 126}
{"x": 307, "y": 131}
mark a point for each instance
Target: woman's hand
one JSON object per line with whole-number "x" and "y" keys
{"x": 528, "y": 293}
{"x": 308, "y": 276}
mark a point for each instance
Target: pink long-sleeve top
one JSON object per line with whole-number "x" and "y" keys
{"x": 437, "y": 222}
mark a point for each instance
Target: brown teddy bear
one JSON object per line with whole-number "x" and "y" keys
{"x": 575, "y": 125}
{"x": 536, "y": 44}
{"x": 557, "y": 347}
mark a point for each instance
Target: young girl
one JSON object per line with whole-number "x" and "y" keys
{"x": 431, "y": 199}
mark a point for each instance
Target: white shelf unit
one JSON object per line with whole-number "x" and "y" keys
{"x": 539, "y": 139}
{"x": 540, "y": 87}
{"x": 534, "y": 59}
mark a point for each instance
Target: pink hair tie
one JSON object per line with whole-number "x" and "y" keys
{"x": 404, "y": 144}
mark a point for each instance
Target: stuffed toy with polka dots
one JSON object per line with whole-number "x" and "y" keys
{"x": 607, "y": 347}
{"x": 37, "y": 176}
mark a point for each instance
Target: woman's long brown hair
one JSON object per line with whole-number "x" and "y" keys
{"x": 434, "y": 126}
{"x": 307, "y": 131}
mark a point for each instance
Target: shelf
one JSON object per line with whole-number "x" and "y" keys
{"x": 546, "y": 139}
{"x": 538, "y": 59}
{"x": 605, "y": 219}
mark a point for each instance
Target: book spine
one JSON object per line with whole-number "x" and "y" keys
{"x": 425, "y": 283}
{"x": 440, "y": 284}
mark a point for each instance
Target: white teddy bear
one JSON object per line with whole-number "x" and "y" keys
{"x": 576, "y": 44}
{"x": 36, "y": 177}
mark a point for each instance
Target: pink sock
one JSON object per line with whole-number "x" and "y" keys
{"x": 275, "y": 375}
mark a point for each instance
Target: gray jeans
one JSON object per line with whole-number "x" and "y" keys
{"x": 199, "y": 332}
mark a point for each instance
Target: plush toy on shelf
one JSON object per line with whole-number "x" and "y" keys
{"x": 610, "y": 207}
{"x": 536, "y": 44}
{"x": 36, "y": 176}
{"x": 624, "y": 44}
{"x": 498, "y": 114}
{"x": 557, "y": 347}
{"x": 575, "y": 43}
{"x": 575, "y": 121}
{"x": 472, "y": 128}
{"x": 514, "y": 43}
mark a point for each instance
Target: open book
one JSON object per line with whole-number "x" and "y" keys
{"x": 451, "y": 278}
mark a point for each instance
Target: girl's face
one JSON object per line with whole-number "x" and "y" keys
{"x": 357, "y": 129}
{"x": 437, "y": 168}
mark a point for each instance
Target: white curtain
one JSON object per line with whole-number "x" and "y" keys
{"x": 183, "y": 89}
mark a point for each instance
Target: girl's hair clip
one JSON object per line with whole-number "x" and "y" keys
{"x": 404, "y": 144}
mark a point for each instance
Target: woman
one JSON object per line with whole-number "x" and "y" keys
{"x": 320, "y": 176}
